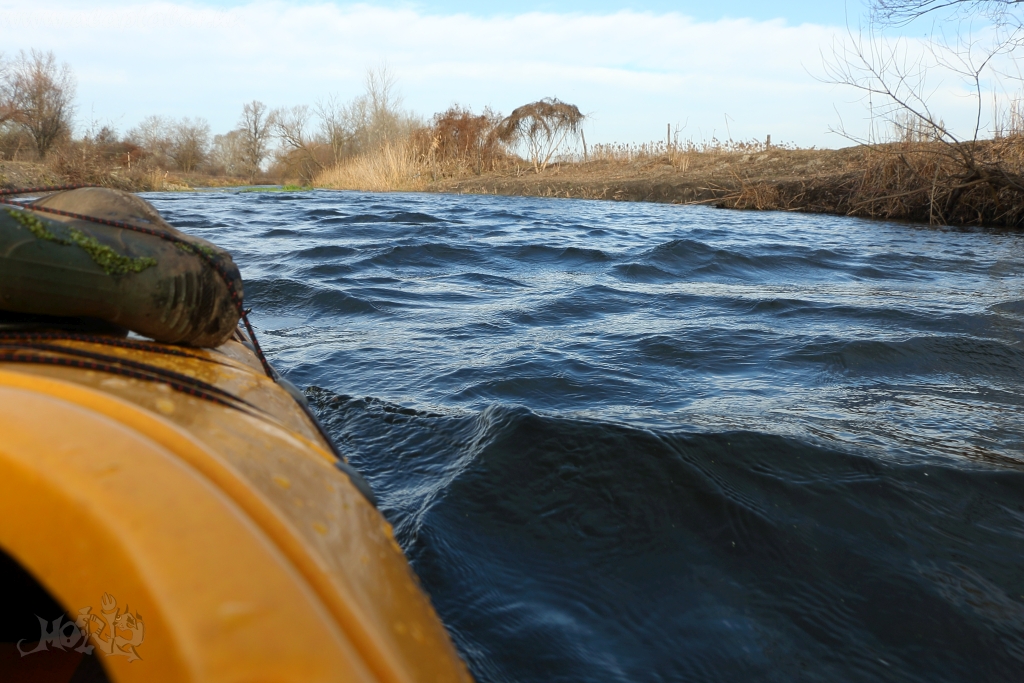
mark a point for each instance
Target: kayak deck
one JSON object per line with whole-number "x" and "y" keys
{"x": 225, "y": 523}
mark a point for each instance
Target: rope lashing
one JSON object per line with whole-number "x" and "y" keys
{"x": 229, "y": 282}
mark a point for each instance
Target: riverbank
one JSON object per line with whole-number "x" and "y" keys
{"x": 980, "y": 185}
{"x": 763, "y": 179}
{"x": 934, "y": 183}
{"x": 25, "y": 174}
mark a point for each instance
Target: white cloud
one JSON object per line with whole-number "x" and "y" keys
{"x": 634, "y": 71}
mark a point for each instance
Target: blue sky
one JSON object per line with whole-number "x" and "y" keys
{"x": 793, "y": 11}
{"x": 743, "y": 69}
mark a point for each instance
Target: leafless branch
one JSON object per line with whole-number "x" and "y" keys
{"x": 902, "y": 12}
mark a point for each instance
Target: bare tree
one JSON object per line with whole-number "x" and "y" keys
{"x": 376, "y": 117}
{"x": 151, "y": 133}
{"x": 291, "y": 128}
{"x": 290, "y": 125}
{"x": 543, "y": 127}
{"x": 190, "y": 143}
{"x": 333, "y": 125}
{"x": 256, "y": 126}
{"x": 10, "y": 134}
{"x": 6, "y": 95}
{"x": 366, "y": 123}
{"x": 226, "y": 154}
{"x": 42, "y": 96}
{"x": 153, "y": 138}
{"x": 384, "y": 104}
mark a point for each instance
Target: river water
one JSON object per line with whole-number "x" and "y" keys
{"x": 638, "y": 442}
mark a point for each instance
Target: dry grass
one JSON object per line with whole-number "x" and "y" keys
{"x": 759, "y": 196}
{"x": 392, "y": 167}
{"x": 974, "y": 183}
{"x": 964, "y": 184}
{"x": 678, "y": 153}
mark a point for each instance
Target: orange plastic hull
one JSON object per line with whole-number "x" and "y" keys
{"x": 230, "y": 533}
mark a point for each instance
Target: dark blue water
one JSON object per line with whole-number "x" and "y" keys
{"x": 634, "y": 442}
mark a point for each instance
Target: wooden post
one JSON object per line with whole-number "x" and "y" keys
{"x": 668, "y": 135}
{"x": 768, "y": 142}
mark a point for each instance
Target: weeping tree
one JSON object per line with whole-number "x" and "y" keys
{"x": 543, "y": 127}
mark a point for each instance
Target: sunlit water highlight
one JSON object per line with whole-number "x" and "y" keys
{"x": 627, "y": 442}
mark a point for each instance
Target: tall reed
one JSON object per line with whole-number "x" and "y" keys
{"x": 630, "y": 152}
{"x": 393, "y": 166}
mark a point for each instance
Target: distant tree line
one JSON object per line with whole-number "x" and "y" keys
{"x": 37, "y": 113}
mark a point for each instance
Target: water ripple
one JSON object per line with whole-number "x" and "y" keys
{"x": 629, "y": 442}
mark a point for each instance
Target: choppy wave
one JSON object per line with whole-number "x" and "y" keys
{"x": 649, "y": 443}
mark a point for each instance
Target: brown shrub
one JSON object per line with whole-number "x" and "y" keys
{"x": 458, "y": 141}
{"x": 89, "y": 162}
